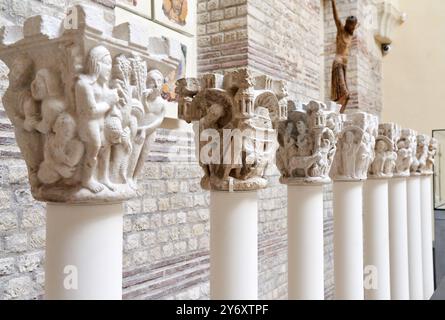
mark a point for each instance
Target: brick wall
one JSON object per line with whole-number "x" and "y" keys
{"x": 166, "y": 235}
{"x": 283, "y": 39}
{"x": 166, "y": 231}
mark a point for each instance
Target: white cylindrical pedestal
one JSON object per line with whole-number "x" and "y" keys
{"x": 414, "y": 238}
{"x": 348, "y": 240}
{"x": 376, "y": 240}
{"x": 233, "y": 245}
{"x": 84, "y": 252}
{"x": 427, "y": 236}
{"x": 305, "y": 242}
{"x": 398, "y": 239}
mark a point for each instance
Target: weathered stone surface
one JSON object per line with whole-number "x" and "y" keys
{"x": 385, "y": 158}
{"x": 79, "y": 149}
{"x": 406, "y": 153}
{"x": 235, "y": 115}
{"x": 308, "y": 140}
{"x": 355, "y": 147}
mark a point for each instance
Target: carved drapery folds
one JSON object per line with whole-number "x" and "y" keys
{"x": 237, "y": 114}
{"x": 385, "y": 157}
{"x": 307, "y": 143}
{"x": 85, "y": 102}
{"x": 355, "y": 147}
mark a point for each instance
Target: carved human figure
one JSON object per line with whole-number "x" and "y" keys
{"x": 130, "y": 111}
{"x": 94, "y": 99}
{"x": 290, "y": 143}
{"x": 303, "y": 140}
{"x": 288, "y": 148}
{"x": 327, "y": 150}
{"x": 256, "y": 148}
{"x": 19, "y": 105}
{"x": 154, "y": 112}
{"x": 46, "y": 88}
{"x": 377, "y": 167}
{"x": 210, "y": 121}
{"x": 63, "y": 151}
{"x": 114, "y": 136}
{"x": 432, "y": 151}
{"x": 423, "y": 144}
{"x": 404, "y": 158}
{"x": 365, "y": 155}
{"x": 339, "y": 87}
{"x": 348, "y": 154}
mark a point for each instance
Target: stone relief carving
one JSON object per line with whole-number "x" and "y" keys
{"x": 307, "y": 143}
{"x": 426, "y": 151}
{"x": 406, "y": 153}
{"x": 239, "y": 112}
{"x": 355, "y": 147}
{"x": 385, "y": 158}
{"x": 422, "y": 154}
{"x": 432, "y": 151}
{"x": 85, "y": 111}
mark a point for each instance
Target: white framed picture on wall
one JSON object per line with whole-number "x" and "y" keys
{"x": 179, "y": 15}
{"x": 139, "y": 7}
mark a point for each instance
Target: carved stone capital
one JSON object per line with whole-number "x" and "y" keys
{"x": 236, "y": 114}
{"x": 355, "y": 147}
{"x": 385, "y": 153}
{"x": 406, "y": 153}
{"x": 84, "y": 98}
{"x": 307, "y": 143}
{"x": 426, "y": 151}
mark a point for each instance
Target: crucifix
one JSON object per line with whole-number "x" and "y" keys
{"x": 339, "y": 87}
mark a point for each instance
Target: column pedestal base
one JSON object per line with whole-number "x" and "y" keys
{"x": 305, "y": 242}
{"x": 348, "y": 240}
{"x": 427, "y": 235}
{"x": 84, "y": 252}
{"x": 376, "y": 239}
{"x": 233, "y": 245}
{"x": 398, "y": 239}
{"x": 414, "y": 239}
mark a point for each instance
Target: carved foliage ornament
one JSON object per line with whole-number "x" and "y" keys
{"x": 236, "y": 115}
{"x": 307, "y": 143}
{"x": 84, "y": 107}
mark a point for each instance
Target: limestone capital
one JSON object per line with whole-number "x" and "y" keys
{"x": 307, "y": 143}
{"x": 385, "y": 152}
{"x": 425, "y": 154}
{"x": 236, "y": 115}
{"x": 84, "y": 98}
{"x": 355, "y": 147}
{"x": 406, "y": 153}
